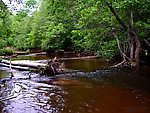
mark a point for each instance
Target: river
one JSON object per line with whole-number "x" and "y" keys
{"x": 87, "y": 88}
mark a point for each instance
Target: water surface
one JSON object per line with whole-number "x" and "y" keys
{"x": 88, "y": 89}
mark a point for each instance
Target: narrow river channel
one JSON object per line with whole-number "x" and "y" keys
{"x": 87, "y": 88}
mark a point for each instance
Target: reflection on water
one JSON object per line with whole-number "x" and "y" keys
{"x": 28, "y": 96}
{"x": 90, "y": 89}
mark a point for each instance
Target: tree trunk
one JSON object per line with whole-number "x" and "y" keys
{"x": 131, "y": 45}
{"x": 131, "y": 49}
{"x": 131, "y": 38}
{"x": 137, "y": 51}
{"x": 131, "y": 32}
{"x": 132, "y": 20}
{"x": 121, "y": 53}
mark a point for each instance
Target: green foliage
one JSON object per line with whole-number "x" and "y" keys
{"x": 3, "y": 10}
{"x": 3, "y": 43}
{"x": 31, "y": 3}
{"x": 5, "y": 22}
{"x": 74, "y": 25}
{"x": 27, "y": 50}
{"x": 6, "y": 51}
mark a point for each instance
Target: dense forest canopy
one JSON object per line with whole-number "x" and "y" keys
{"x": 106, "y": 27}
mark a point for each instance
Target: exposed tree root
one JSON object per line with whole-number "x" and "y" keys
{"x": 51, "y": 68}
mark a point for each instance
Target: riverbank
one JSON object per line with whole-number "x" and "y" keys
{"x": 40, "y": 52}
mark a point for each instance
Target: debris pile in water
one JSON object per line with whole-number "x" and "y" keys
{"x": 52, "y": 68}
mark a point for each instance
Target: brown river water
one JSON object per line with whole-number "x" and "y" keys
{"x": 87, "y": 88}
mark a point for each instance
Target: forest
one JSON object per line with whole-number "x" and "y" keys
{"x": 74, "y": 56}
{"x": 112, "y": 29}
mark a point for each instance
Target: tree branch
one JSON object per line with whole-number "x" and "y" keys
{"x": 147, "y": 42}
{"x": 117, "y": 17}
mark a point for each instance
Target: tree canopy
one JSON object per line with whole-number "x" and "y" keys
{"x": 105, "y": 27}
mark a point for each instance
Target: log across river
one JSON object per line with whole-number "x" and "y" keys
{"x": 51, "y": 68}
{"x": 36, "y": 64}
{"x": 24, "y": 63}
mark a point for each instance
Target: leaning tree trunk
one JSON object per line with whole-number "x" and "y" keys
{"x": 117, "y": 17}
{"x": 137, "y": 51}
{"x": 124, "y": 63}
{"x": 121, "y": 53}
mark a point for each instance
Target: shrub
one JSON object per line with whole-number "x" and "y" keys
{"x": 6, "y": 51}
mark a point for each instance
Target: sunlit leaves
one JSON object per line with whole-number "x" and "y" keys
{"x": 31, "y": 3}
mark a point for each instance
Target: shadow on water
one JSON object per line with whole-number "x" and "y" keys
{"x": 89, "y": 89}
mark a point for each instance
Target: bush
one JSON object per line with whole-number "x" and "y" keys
{"x": 6, "y": 51}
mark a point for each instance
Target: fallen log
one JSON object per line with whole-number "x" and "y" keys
{"x": 7, "y": 57}
{"x": 53, "y": 67}
{"x": 49, "y": 69}
{"x": 24, "y": 63}
{"x": 33, "y": 64}
{"x": 77, "y": 58}
{"x": 16, "y": 67}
